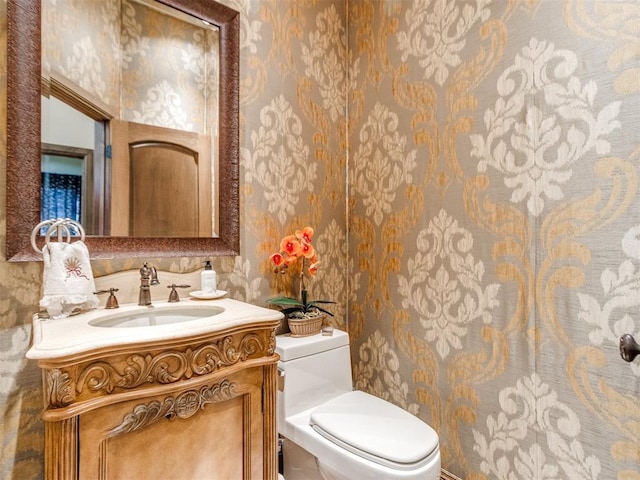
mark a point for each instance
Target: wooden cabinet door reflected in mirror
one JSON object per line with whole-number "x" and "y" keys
{"x": 161, "y": 182}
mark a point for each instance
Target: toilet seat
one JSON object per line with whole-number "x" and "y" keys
{"x": 376, "y": 430}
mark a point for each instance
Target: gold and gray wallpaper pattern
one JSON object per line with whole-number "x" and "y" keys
{"x": 471, "y": 171}
{"x": 494, "y": 218}
{"x": 147, "y": 66}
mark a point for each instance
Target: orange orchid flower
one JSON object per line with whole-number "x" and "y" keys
{"x": 277, "y": 259}
{"x": 313, "y": 268}
{"x": 291, "y": 259}
{"x": 305, "y": 234}
{"x": 290, "y": 245}
{"x": 307, "y": 250}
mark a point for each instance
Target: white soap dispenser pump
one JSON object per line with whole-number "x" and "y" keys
{"x": 208, "y": 280}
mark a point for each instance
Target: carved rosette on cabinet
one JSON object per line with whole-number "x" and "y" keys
{"x": 183, "y": 405}
{"x": 116, "y": 373}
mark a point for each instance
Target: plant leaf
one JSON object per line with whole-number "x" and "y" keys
{"x": 315, "y": 305}
{"x": 287, "y": 301}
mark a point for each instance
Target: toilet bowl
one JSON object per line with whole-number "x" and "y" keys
{"x": 332, "y": 432}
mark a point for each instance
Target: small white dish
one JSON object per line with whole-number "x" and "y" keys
{"x": 200, "y": 295}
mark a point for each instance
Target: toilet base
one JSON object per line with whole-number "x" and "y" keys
{"x": 298, "y": 463}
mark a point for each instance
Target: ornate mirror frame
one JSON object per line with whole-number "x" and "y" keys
{"x": 23, "y": 141}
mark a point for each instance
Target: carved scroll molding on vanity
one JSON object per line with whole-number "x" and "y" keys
{"x": 194, "y": 406}
{"x": 93, "y": 379}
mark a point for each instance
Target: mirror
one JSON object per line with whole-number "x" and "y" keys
{"x": 155, "y": 70}
{"x": 24, "y": 133}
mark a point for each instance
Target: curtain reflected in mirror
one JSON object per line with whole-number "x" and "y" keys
{"x": 61, "y": 196}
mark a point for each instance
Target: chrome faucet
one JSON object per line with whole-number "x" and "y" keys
{"x": 148, "y": 277}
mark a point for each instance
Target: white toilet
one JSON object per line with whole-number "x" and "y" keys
{"x": 332, "y": 432}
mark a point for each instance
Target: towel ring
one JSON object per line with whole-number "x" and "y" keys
{"x": 64, "y": 229}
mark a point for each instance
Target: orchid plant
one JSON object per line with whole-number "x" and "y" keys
{"x": 297, "y": 253}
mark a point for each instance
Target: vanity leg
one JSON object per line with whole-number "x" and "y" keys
{"x": 61, "y": 449}
{"x": 270, "y": 427}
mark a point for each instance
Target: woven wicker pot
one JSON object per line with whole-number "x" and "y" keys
{"x": 303, "y": 327}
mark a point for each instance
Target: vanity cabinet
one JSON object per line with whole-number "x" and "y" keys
{"x": 199, "y": 407}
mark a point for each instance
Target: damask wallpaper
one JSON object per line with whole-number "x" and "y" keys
{"x": 494, "y": 218}
{"x": 146, "y": 66}
{"x": 471, "y": 171}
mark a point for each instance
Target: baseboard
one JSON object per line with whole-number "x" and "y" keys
{"x": 444, "y": 475}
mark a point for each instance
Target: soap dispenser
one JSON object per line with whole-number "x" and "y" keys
{"x": 208, "y": 280}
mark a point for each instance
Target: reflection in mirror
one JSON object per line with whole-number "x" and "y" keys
{"x": 24, "y": 169}
{"x": 149, "y": 64}
{"x": 64, "y": 187}
{"x": 162, "y": 181}
{"x": 73, "y": 170}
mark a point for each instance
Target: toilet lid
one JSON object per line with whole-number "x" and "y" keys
{"x": 375, "y": 429}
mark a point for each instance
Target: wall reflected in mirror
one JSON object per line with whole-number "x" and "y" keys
{"x": 123, "y": 65}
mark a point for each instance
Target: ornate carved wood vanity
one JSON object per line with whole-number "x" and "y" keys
{"x": 197, "y": 407}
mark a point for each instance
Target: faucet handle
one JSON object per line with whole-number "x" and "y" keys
{"x": 112, "y": 301}
{"x": 173, "y": 295}
{"x": 145, "y": 271}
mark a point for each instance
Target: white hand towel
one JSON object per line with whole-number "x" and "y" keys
{"x": 68, "y": 279}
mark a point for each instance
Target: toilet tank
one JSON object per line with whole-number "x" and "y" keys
{"x": 312, "y": 370}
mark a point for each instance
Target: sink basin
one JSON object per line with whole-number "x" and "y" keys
{"x": 163, "y": 323}
{"x": 154, "y": 316}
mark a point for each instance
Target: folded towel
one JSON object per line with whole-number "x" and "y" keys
{"x": 68, "y": 280}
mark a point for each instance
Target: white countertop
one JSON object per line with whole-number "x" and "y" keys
{"x": 73, "y": 335}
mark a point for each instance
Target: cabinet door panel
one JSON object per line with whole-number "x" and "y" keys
{"x": 206, "y": 433}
